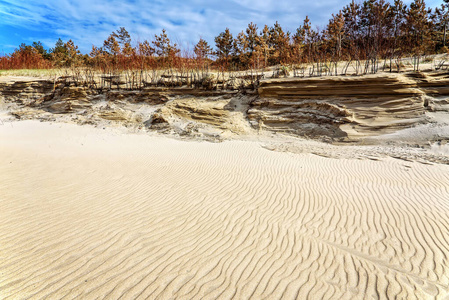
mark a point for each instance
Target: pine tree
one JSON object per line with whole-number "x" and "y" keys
{"x": 73, "y": 54}
{"x": 263, "y": 47}
{"x": 298, "y": 44}
{"x": 224, "y": 43}
{"x": 202, "y": 49}
{"x": 241, "y": 48}
{"x": 335, "y": 32}
{"x": 59, "y": 53}
{"x": 397, "y": 25}
{"x": 97, "y": 56}
{"x": 145, "y": 54}
{"x": 251, "y": 37}
{"x": 280, "y": 44}
{"x": 41, "y": 50}
{"x": 111, "y": 45}
{"x": 163, "y": 45}
{"x": 246, "y": 43}
{"x": 59, "y": 47}
{"x": 123, "y": 38}
{"x": 373, "y": 28}
{"x": 352, "y": 14}
{"x": 145, "y": 49}
{"x": 419, "y": 28}
{"x": 308, "y": 36}
{"x": 441, "y": 21}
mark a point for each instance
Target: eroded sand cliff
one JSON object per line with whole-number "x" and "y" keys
{"x": 335, "y": 109}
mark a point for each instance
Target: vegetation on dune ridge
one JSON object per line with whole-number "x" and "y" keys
{"x": 368, "y": 36}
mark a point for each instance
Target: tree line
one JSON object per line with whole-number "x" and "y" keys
{"x": 367, "y": 34}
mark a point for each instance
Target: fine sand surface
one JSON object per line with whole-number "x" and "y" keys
{"x": 88, "y": 213}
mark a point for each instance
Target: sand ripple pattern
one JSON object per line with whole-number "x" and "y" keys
{"x": 92, "y": 215}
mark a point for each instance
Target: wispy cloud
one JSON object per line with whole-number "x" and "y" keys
{"x": 89, "y": 22}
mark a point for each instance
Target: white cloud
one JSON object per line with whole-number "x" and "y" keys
{"x": 90, "y": 22}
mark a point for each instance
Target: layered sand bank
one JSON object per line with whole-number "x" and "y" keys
{"x": 90, "y": 213}
{"x": 338, "y": 109}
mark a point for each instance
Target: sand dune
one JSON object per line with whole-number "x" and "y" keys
{"x": 90, "y": 213}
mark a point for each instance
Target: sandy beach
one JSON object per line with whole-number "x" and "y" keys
{"x": 203, "y": 150}
{"x": 89, "y": 213}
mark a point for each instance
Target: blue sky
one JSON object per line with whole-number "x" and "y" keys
{"x": 89, "y": 22}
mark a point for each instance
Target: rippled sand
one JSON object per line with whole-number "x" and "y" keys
{"x": 88, "y": 213}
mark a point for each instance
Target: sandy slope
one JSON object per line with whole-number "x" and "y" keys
{"x": 93, "y": 213}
